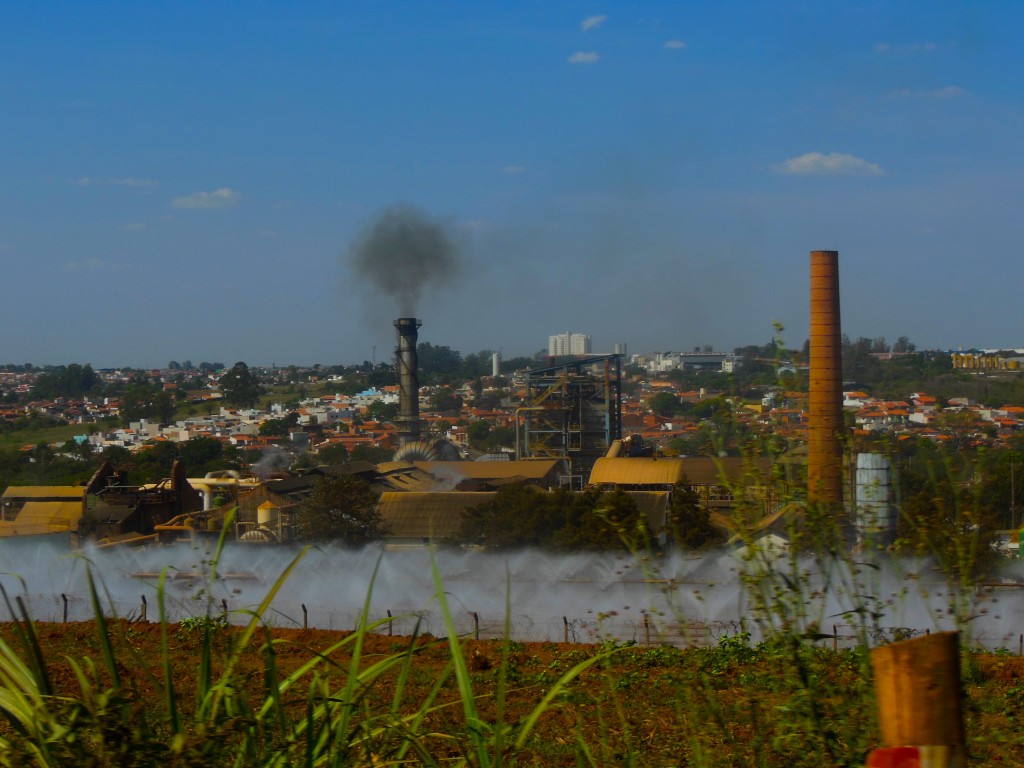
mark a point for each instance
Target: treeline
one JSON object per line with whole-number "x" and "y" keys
{"x": 74, "y": 462}
{"x": 522, "y": 516}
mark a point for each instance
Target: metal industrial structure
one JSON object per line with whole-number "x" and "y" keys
{"x": 407, "y": 365}
{"x": 825, "y": 400}
{"x": 573, "y": 410}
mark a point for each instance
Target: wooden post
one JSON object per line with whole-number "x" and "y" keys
{"x": 647, "y": 631}
{"x": 1020, "y": 646}
{"x": 224, "y": 605}
{"x": 565, "y": 623}
{"x": 476, "y": 625}
{"x": 835, "y": 638}
{"x": 65, "y": 599}
{"x": 391, "y": 624}
{"x": 305, "y": 617}
{"x": 917, "y": 685}
{"x": 142, "y": 614}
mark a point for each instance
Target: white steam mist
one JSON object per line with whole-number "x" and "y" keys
{"x": 588, "y": 597}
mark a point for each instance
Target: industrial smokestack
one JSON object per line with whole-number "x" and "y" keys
{"x": 407, "y": 365}
{"x": 825, "y": 403}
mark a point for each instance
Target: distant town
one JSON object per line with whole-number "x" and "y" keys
{"x": 246, "y": 436}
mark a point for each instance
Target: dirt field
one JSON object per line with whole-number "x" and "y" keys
{"x": 731, "y": 705}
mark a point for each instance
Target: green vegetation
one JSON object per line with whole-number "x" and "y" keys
{"x": 339, "y": 509}
{"x": 523, "y": 516}
{"x": 240, "y": 386}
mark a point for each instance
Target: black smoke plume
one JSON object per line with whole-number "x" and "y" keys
{"x": 405, "y": 251}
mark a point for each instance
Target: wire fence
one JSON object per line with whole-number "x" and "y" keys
{"x": 646, "y": 630}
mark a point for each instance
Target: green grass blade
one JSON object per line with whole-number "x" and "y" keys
{"x": 170, "y": 696}
{"x": 462, "y": 675}
{"x": 103, "y": 630}
{"x": 554, "y": 692}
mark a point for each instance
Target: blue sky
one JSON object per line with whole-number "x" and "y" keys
{"x": 185, "y": 180}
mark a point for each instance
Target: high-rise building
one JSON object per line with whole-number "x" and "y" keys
{"x": 563, "y": 344}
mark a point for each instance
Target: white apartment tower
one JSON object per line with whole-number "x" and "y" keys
{"x": 563, "y": 344}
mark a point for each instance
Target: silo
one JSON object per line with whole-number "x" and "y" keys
{"x": 825, "y": 400}
{"x": 495, "y": 364}
{"x": 876, "y": 514}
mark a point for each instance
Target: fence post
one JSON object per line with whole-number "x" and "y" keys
{"x": 142, "y": 616}
{"x": 647, "y": 631}
{"x": 917, "y": 686}
{"x": 835, "y": 638}
{"x": 224, "y": 605}
{"x": 476, "y": 625}
{"x": 391, "y": 624}
{"x": 65, "y": 599}
{"x": 565, "y": 623}
{"x": 305, "y": 617}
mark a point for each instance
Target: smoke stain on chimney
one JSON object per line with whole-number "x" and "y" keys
{"x": 403, "y": 252}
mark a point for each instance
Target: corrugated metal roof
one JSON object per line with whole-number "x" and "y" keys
{"x": 44, "y": 492}
{"x": 43, "y": 517}
{"x": 491, "y": 470}
{"x": 426, "y": 516}
{"x": 696, "y": 470}
{"x": 637, "y": 471}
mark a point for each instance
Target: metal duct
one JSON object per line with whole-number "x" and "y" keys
{"x": 407, "y": 365}
{"x": 825, "y": 403}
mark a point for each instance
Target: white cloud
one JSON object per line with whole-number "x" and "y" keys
{"x": 833, "y": 164}
{"x": 675, "y": 45}
{"x": 907, "y": 48}
{"x": 219, "y": 198}
{"x": 88, "y": 181}
{"x": 593, "y": 21}
{"x": 584, "y": 57}
{"x": 514, "y": 169}
{"x": 949, "y": 92}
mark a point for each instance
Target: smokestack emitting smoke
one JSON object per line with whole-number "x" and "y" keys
{"x": 403, "y": 252}
{"x": 825, "y": 402}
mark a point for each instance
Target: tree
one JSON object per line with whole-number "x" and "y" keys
{"x": 689, "y": 521}
{"x": 146, "y": 401}
{"x": 66, "y": 381}
{"x": 341, "y": 509}
{"x": 240, "y": 386}
{"x": 437, "y": 360}
{"x": 371, "y": 453}
{"x": 604, "y": 521}
{"x": 664, "y": 404}
{"x": 332, "y": 454}
{"x": 200, "y": 455}
{"x": 382, "y": 412}
{"x": 517, "y": 516}
{"x": 443, "y": 401}
{"x": 903, "y": 344}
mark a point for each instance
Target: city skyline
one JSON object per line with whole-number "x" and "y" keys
{"x": 190, "y": 181}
